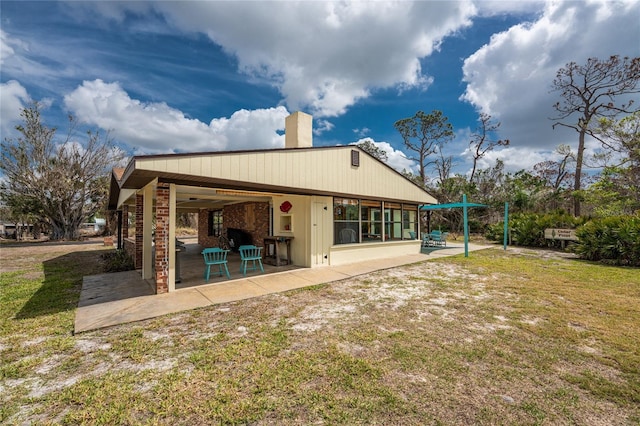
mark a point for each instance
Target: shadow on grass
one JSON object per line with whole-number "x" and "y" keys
{"x": 60, "y": 290}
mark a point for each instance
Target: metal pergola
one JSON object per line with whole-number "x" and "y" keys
{"x": 465, "y": 206}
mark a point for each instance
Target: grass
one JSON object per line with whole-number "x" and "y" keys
{"x": 517, "y": 337}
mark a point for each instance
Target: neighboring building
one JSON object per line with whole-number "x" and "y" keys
{"x": 338, "y": 204}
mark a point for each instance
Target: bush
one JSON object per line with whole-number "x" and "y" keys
{"x": 527, "y": 229}
{"x": 614, "y": 240}
{"x": 117, "y": 261}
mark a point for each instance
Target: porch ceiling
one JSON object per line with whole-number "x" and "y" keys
{"x": 192, "y": 199}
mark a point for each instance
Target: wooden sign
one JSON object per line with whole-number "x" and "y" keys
{"x": 560, "y": 234}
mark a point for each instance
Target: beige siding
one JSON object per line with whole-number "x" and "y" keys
{"x": 324, "y": 170}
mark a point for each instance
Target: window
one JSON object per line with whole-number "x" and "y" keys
{"x": 215, "y": 223}
{"x": 371, "y": 220}
{"x": 409, "y": 221}
{"x": 361, "y": 221}
{"x": 392, "y": 221}
{"x": 345, "y": 221}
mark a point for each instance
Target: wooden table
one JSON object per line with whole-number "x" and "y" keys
{"x": 275, "y": 258}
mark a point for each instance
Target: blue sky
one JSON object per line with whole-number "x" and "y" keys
{"x": 206, "y": 76}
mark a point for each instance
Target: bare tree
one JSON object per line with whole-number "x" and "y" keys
{"x": 424, "y": 134}
{"x": 556, "y": 174}
{"x": 590, "y": 91}
{"x": 482, "y": 142}
{"x": 63, "y": 183}
{"x": 444, "y": 166}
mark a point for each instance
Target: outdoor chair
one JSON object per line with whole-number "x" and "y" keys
{"x": 253, "y": 254}
{"x": 215, "y": 256}
{"x": 435, "y": 239}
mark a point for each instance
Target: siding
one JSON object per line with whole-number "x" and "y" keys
{"x": 325, "y": 170}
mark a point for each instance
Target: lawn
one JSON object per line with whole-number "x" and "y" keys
{"x": 516, "y": 337}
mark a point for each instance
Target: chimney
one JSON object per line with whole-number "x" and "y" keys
{"x": 298, "y": 130}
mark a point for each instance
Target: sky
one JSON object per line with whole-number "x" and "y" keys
{"x": 171, "y": 77}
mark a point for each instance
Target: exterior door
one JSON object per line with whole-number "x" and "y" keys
{"x": 319, "y": 243}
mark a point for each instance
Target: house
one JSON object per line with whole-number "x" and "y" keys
{"x": 334, "y": 205}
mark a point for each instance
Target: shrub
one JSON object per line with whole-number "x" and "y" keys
{"x": 117, "y": 260}
{"x": 614, "y": 240}
{"x": 527, "y": 229}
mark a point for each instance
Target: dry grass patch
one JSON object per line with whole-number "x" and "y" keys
{"x": 516, "y": 337}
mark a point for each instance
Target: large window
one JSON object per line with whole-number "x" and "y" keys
{"x": 409, "y": 222}
{"x": 392, "y": 221}
{"x": 371, "y": 220}
{"x": 345, "y": 221}
{"x": 215, "y": 223}
{"x": 357, "y": 221}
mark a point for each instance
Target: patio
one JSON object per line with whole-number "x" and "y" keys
{"x": 123, "y": 297}
{"x": 192, "y": 266}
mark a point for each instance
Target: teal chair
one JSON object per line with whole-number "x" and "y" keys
{"x": 215, "y": 256}
{"x": 253, "y": 254}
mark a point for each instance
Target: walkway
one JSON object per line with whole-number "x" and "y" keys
{"x": 123, "y": 297}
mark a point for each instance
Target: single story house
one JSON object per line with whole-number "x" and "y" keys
{"x": 334, "y": 204}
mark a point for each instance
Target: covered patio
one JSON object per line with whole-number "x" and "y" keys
{"x": 117, "y": 298}
{"x": 192, "y": 267}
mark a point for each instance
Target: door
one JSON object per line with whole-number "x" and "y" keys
{"x": 319, "y": 243}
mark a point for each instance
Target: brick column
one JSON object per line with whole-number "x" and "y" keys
{"x": 139, "y": 230}
{"x": 162, "y": 238}
{"x": 125, "y": 222}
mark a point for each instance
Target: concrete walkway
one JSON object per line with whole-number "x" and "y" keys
{"x": 118, "y": 298}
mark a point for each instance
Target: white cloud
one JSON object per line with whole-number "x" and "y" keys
{"x": 155, "y": 127}
{"x": 322, "y": 56}
{"x": 362, "y": 132}
{"x": 501, "y": 7}
{"x": 323, "y": 126}
{"x": 13, "y": 98}
{"x": 510, "y": 78}
{"x": 395, "y": 157}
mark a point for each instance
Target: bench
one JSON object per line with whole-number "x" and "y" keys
{"x": 434, "y": 239}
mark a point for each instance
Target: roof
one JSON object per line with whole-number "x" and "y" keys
{"x": 328, "y": 171}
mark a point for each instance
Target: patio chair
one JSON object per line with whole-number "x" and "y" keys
{"x": 250, "y": 253}
{"x": 215, "y": 256}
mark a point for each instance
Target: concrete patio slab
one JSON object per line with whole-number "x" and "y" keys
{"x": 231, "y": 291}
{"x": 117, "y": 298}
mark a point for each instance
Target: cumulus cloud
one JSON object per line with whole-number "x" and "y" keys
{"x": 155, "y": 127}
{"x": 13, "y": 98}
{"x": 321, "y": 56}
{"x": 510, "y": 78}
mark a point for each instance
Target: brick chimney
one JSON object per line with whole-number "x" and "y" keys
{"x": 298, "y": 130}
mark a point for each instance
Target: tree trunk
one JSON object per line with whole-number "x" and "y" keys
{"x": 578, "y": 179}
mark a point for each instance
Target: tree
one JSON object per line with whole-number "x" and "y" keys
{"x": 481, "y": 141}
{"x": 368, "y": 146}
{"x": 555, "y": 175}
{"x": 590, "y": 91}
{"x": 616, "y": 190}
{"x": 424, "y": 134}
{"x": 62, "y": 183}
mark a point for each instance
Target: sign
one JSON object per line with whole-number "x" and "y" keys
{"x": 560, "y": 234}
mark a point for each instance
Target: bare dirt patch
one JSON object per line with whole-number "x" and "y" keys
{"x": 452, "y": 342}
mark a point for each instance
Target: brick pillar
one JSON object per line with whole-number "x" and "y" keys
{"x": 139, "y": 230}
{"x": 125, "y": 222}
{"x": 162, "y": 238}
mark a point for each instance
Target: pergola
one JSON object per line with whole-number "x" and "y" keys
{"x": 465, "y": 206}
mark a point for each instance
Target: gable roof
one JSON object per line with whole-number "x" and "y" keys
{"x": 308, "y": 171}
